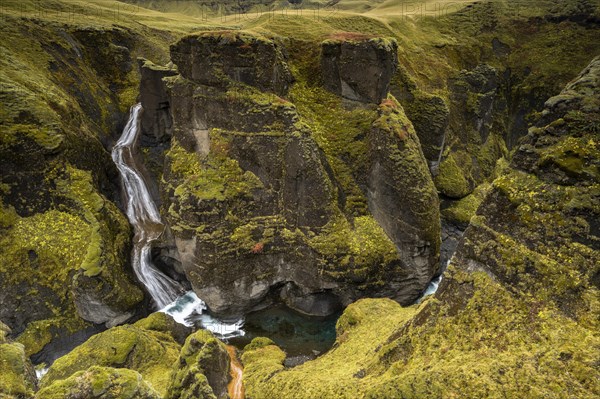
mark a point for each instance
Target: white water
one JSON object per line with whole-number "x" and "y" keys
{"x": 188, "y": 310}
{"x": 432, "y": 287}
{"x": 39, "y": 373}
{"x": 143, "y": 216}
{"x": 167, "y": 293}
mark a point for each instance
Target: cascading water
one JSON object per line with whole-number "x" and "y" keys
{"x": 143, "y": 216}
{"x": 168, "y": 294}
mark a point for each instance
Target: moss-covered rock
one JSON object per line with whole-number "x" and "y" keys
{"x": 164, "y": 323}
{"x": 18, "y": 378}
{"x": 211, "y": 58}
{"x": 258, "y": 183}
{"x": 100, "y": 383}
{"x": 202, "y": 370}
{"x": 401, "y": 194}
{"x": 152, "y": 353}
{"x": 460, "y": 212}
{"x": 74, "y": 256}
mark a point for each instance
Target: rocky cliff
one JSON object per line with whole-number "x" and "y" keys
{"x": 65, "y": 244}
{"x": 516, "y": 314}
{"x": 256, "y": 209}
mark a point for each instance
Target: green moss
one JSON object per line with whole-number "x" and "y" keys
{"x": 151, "y": 353}
{"x": 333, "y": 375}
{"x": 574, "y": 156}
{"x": 363, "y": 245}
{"x": 462, "y": 210}
{"x": 14, "y": 367}
{"x": 216, "y": 177}
{"x": 341, "y": 134}
{"x": 202, "y": 355}
{"x": 101, "y": 383}
{"x": 258, "y": 343}
{"x": 450, "y": 179}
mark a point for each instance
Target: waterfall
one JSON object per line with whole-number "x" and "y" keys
{"x": 185, "y": 307}
{"x": 143, "y": 216}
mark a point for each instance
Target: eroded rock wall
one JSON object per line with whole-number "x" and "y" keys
{"x": 256, "y": 209}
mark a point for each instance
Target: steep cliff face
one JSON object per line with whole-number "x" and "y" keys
{"x": 64, "y": 243}
{"x": 256, "y": 209}
{"x": 359, "y": 70}
{"x": 517, "y": 312}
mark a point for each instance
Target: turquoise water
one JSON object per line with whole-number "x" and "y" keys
{"x": 295, "y": 333}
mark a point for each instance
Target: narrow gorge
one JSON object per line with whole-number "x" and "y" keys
{"x": 299, "y": 199}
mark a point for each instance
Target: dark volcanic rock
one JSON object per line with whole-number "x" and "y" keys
{"x": 402, "y": 196}
{"x": 255, "y": 208}
{"x": 208, "y": 58}
{"x": 156, "y": 120}
{"x": 359, "y": 71}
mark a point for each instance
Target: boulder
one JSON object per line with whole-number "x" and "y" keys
{"x": 150, "y": 352}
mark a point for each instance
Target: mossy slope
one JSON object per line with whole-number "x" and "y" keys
{"x": 100, "y": 383}
{"x": 152, "y": 353}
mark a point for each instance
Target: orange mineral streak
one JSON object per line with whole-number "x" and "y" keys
{"x": 235, "y": 387}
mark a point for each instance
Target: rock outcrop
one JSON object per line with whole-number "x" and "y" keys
{"x": 359, "y": 70}
{"x": 100, "y": 383}
{"x": 18, "y": 376}
{"x": 202, "y": 370}
{"x": 475, "y": 131}
{"x": 256, "y": 210}
{"x": 251, "y": 59}
{"x": 147, "y": 347}
{"x": 156, "y": 122}
{"x": 401, "y": 194}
